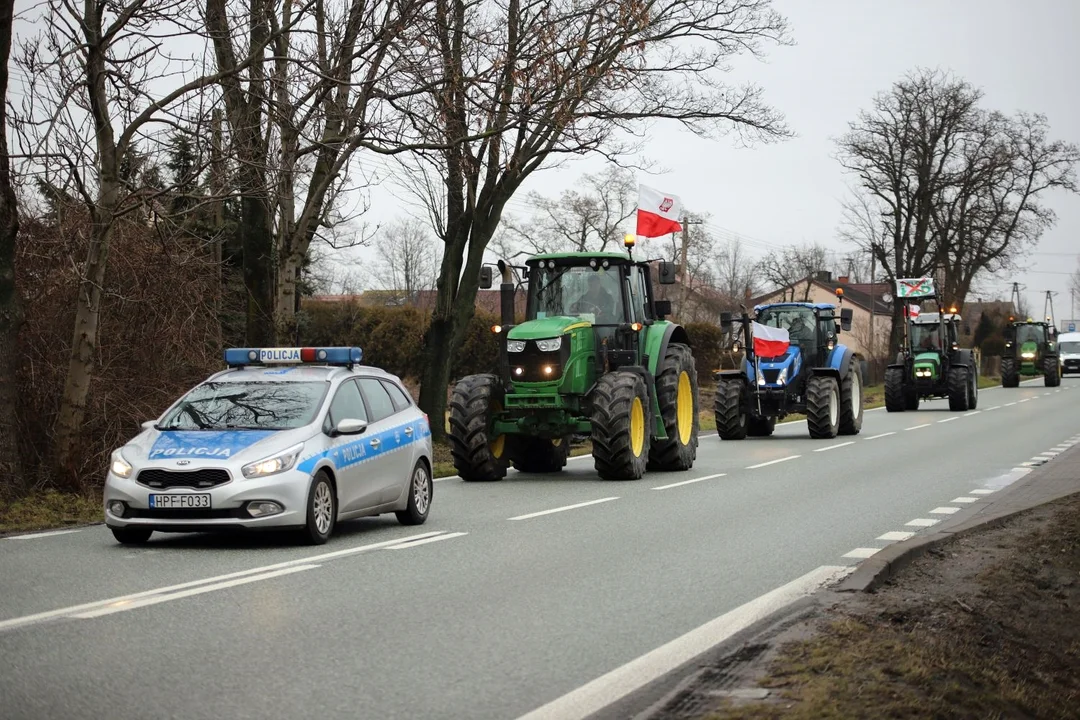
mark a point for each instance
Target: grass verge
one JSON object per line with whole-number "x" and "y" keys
{"x": 49, "y": 510}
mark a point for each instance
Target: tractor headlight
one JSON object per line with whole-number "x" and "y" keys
{"x": 782, "y": 377}
{"x": 515, "y": 346}
{"x": 760, "y": 377}
{"x": 1027, "y": 355}
{"x": 550, "y": 344}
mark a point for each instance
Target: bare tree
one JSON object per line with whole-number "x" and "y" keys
{"x": 733, "y": 272}
{"x": 535, "y": 81}
{"x": 793, "y": 268}
{"x": 10, "y": 306}
{"x": 408, "y": 260}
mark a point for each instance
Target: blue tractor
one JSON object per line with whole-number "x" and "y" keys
{"x": 816, "y": 375}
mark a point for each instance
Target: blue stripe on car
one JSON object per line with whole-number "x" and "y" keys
{"x": 360, "y": 450}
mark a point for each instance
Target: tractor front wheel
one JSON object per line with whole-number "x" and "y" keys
{"x": 973, "y": 388}
{"x": 731, "y": 423}
{"x": 760, "y": 426}
{"x": 851, "y": 401}
{"x": 620, "y": 426}
{"x": 895, "y": 397}
{"x": 822, "y": 407}
{"x": 1051, "y": 374}
{"x": 478, "y": 457}
{"x": 540, "y": 455}
{"x": 1009, "y": 377}
{"x": 959, "y": 389}
{"x": 677, "y": 395}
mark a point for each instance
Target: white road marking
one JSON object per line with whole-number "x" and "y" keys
{"x": 955, "y": 417}
{"x": 1049, "y": 453}
{"x": 922, "y": 522}
{"x": 458, "y": 477}
{"x": 772, "y": 462}
{"x": 579, "y": 457}
{"x": 963, "y": 499}
{"x": 423, "y": 541}
{"x": 896, "y": 535}
{"x": 125, "y": 605}
{"x": 833, "y": 447}
{"x": 973, "y": 412}
{"x": 916, "y": 427}
{"x": 861, "y": 553}
{"x": 875, "y": 437}
{"x": 944, "y": 510}
{"x": 993, "y": 408}
{"x": 1045, "y": 394}
{"x": 620, "y": 682}
{"x": 1024, "y": 400}
{"x": 1009, "y": 404}
{"x": 50, "y": 533}
{"x": 981, "y": 491}
{"x": 564, "y": 508}
{"x": 687, "y": 482}
{"x": 68, "y": 611}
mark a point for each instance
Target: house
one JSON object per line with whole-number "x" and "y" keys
{"x": 871, "y": 319}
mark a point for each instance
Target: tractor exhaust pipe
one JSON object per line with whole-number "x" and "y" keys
{"x": 506, "y": 294}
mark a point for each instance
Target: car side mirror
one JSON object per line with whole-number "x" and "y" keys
{"x": 663, "y": 308}
{"x": 667, "y": 273}
{"x": 725, "y": 320}
{"x": 350, "y": 426}
{"x": 845, "y": 319}
{"x": 486, "y": 278}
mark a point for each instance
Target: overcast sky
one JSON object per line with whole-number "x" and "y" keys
{"x": 1024, "y": 56}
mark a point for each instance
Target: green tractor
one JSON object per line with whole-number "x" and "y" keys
{"x": 931, "y": 363}
{"x": 1030, "y": 349}
{"x": 594, "y": 357}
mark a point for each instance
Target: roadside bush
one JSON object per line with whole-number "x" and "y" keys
{"x": 705, "y": 339}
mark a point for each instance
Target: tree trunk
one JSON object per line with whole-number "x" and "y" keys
{"x": 258, "y": 247}
{"x": 896, "y": 334}
{"x": 10, "y": 307}
{"x": 288, "y": 273}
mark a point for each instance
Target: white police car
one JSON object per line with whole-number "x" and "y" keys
{"x": 284, "y": 438}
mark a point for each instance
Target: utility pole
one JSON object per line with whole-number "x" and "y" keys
{"x": 683, "y": 290}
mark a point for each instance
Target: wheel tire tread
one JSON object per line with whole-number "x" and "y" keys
{"x": 613, "y": 396}
{"x": 470, "y": 407}
{"x": 671, "y": 454}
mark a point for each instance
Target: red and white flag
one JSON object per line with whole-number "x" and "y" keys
{"x": 911, "y": 311}
{"x": 658, "y": 213}
{"x": 769, "y": 341}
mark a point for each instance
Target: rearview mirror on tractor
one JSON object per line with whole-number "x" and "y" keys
{"x": 486, "y": 279}
{"x": 667, "y": 273}
{"x": 663, "y": 308}
{"x": 725, "y": 320}
{"x": 845, "y": 319}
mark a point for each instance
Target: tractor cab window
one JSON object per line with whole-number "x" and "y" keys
{"x": 926, "y": 336}
{"x": 798, "y": 321}
{"x": 1029, "y": 333}
{"x": 594, "y": 295}
{"x": 638, "y": 310}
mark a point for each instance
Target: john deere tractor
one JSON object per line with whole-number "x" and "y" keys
{"x": 815, "y": 374}
{"x": 594, "y": 357}
{"x": 930, "y": 364}
{"x": 1030, "y": 349}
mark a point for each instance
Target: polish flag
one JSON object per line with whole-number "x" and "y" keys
{"x": 658, "y": 213}
{"x": 911, "y": 311}
{"x": 769, "y": 342}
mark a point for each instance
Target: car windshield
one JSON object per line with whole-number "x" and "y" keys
{"x": 1029, "y": 333}
{"x": 595, "y": 295}
{"x": 1070, "y": 346}
{"x": 246, "y": 405}
{"x": 926, "y": 336}
{"x": 798, "y": 321}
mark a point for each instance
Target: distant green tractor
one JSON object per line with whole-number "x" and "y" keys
{"x": 1030, "y": 349}
{"x": 595, "y": 357}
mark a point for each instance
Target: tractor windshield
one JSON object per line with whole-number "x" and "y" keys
{"x": 1030, "y": 333}
{"x": 926, "y": 336}
{"x": 594, "y": 295}
{"x": 798, "y": 321}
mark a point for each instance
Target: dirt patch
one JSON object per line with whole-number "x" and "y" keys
{"x": 987, "y": 626}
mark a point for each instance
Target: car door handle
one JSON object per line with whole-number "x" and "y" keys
{"x": 375, "y": 442}
{"x": 408, "y": 431}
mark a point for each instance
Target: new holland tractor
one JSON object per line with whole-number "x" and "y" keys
{"x": 594, "y": 357}
{"x": 1030, "y": 349}
{"x": 813, "y": 374}
{"x": 930, "y": 364}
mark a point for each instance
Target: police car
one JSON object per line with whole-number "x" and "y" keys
{"x": 284, "y": 438}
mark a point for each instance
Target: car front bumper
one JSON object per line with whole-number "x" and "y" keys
{"x": 228, "y": 504}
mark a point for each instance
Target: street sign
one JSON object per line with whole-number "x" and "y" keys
{"x": 914, "y": 287}
{"x": 1072, "y": 327}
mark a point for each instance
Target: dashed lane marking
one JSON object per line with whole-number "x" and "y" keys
{"x": 833, "y": 447}
{"x": 963, "y": 499}
{"x": 424, "y": 541}
{"x": 564, "y": 508}
{"x": 916, "y": 427}
{"x": 922, "y": 522}
{"x": 773, "y": 462}
{"x": 895, "y": 535}
{"x": 944, "y": 510}
{"x": 981, "y": 491}
{"x": 973, "y": 412}
{"x": 956, "y": 417}
{"x": 688, "y": 482}
{"x": 875, "y": 437}
{"x": 861, "y": 553}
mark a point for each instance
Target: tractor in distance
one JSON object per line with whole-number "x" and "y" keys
{"x": 930, "y": 364}
{"x": 594, "y": 357}
{"x": 793, "y": 363}
{"x": 1030, "y": 349}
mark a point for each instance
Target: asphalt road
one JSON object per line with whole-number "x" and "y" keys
{"x": 497, "y": 610}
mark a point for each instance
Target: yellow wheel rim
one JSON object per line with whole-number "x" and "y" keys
{"x": 637, "y": 427}
{"x": 557, "y": 442}
{"x": 498, "y": 445}
{"x": 684, "y": 410}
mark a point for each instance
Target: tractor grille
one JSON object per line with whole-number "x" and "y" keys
{"x": 771, "y": 376}
{"x": 528, "y": 365}
{"x": 203, "y": 478}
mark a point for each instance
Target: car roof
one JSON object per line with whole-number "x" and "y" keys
{"x": 296, "y": 373}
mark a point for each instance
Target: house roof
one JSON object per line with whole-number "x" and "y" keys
{"x": 865, "y": 295}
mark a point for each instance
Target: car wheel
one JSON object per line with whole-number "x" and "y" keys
{"x": 132, "y": 535}
{"x": 321, "y": 510}
{"x": 421, "y": 488}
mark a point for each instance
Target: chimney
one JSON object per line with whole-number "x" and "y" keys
{"x": 843, "y": 279}
{"x": 824, "y": 276}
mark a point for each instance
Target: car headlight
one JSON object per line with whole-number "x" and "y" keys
{"x": 550, "y": 344}
{"x": 515, "y": 345}
{"x": 119, "y": 466}
{"x": 280, "y": 462}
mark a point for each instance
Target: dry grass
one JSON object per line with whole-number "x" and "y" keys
{"x": 47, "y": 510}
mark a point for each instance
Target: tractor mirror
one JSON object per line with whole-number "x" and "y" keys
{"x": 486, "y": 279}
{"x": 725, "y": 320}
{"x": 845, "y": 319}
{"x": 663, "y": 308}
{"x": 667, "y": 273}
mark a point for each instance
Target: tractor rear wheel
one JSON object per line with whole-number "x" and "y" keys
{"x": 620, "y": 426}
{"x": 1051, "y": 374}
{"x": 760, "y": 426}
{"x": 895, "y": 397}
{"x": 677, "y": 394}
{"x": 822, "y": 407}
{"x": 851, "y": 401}
{"x": 959, "y": 389}
{"x": 539, "y": 455}
{"x": 478, "y": 457}
{"x": 731, "y": 421}
{"x": 1009, "y": 376}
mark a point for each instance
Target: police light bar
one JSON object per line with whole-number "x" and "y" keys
{"x": 236, "y": 357}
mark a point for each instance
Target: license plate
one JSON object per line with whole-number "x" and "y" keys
{"x": 180, "y": 500}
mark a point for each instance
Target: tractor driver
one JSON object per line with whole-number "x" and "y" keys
{"x": 599, "y": 301}
{"x": 800, "y": 332}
